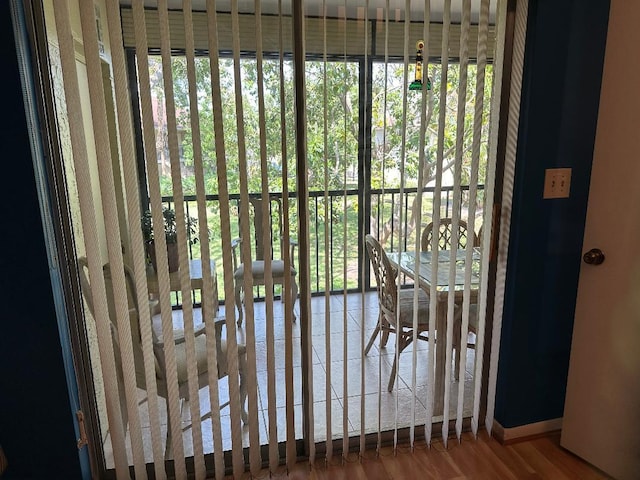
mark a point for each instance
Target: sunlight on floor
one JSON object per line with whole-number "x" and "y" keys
{"x": 328, "y": 362}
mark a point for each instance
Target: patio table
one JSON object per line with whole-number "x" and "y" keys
{"x": 405, "y": 262}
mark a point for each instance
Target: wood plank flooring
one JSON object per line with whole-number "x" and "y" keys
{"x": 484, "y": 458}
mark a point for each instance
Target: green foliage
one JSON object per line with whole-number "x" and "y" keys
{"x": 170, "y": 227}
{"x": 333, "y": 104}
{"x": 332, "y": 108}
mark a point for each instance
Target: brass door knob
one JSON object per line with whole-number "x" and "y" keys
{"x": 594, "y": 257}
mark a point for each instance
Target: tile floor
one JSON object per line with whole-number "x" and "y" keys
{"x": 328, "y": 362}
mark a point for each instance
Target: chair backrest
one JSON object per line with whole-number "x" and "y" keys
{"x": 385, "y": 277}
{"x": 445, "y": 235}
{"x": 136, "y": 336}
{"x": 275, "y": 226}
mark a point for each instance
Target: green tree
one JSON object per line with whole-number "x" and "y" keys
{"x": 338, "y": 83}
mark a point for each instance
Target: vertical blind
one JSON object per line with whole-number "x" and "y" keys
{"x": 329, "y": 130}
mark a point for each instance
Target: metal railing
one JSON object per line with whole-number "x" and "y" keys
{"x": 390, "y": 221}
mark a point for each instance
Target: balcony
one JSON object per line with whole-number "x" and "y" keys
{"x": 352, "y": 316}
{"x": 328, "y": 361}
{"x": 384, "y": 223}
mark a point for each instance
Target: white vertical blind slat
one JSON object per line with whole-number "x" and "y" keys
{"x": 427, "y": 101}
{"x": 138, "y": 254}
{"x": 98, "y": 294}
{"x": 424, "y": 119}
{"x": 416, "y": 289}
{"x": 185, "y": 282}
{"x": 452, "y": 262}
{"x": 150, "y": 152}
{"x": 175, "y": 420}
{"x": 384, "y": 156}
{"x": 245, "y": 245}
{"x": 470, "y": 220}
{"x": 148, "y": 133}
{"x": 342, "y": 13}
{"x": 435, "y": 404}
{"x": 519, "y": 37}
{"x": 449, "y": 317}
{"x": 473, "y": 194}
{"x": 367, "y": 128}
{"x": 457, "y": 207}
{"x": 266, "y": 227}
{"x": 327, "y": 265}
{"x": 274, "y": 455}
{"x": 290, "y": 446}
{"x": 225, "y": 222}
{"x": 402, "y": 215}
{"x": 304, "y": 254}
{"x": 254, "y": 440}
{"x": 207, "y": 302}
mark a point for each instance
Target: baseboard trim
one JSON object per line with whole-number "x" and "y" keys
{"x": 525, "y": 432}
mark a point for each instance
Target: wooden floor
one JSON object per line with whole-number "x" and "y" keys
{"x": 484, "y": 458}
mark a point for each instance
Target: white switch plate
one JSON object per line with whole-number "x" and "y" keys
{"x": 557, "y": 182}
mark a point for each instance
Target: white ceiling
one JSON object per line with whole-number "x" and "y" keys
{"x": 336, "y": 8}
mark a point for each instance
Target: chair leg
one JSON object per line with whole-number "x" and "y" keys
{"x": 167, "y": 446}
{"x": 385, "y": 334}
{"x": 123, "y": 407}
{"x": 456, "y": 345}
{"x": 372, "y": 339}
{"x": 242, "y": 364}
{"x": 403, "y": 341}
{"x": 294, "y": 296}
{"x": 394, "y": 369}
{"x": 457, "y": 327}
{"x": 239, "y": 301}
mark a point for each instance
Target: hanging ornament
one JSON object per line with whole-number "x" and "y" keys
{"x": 417, "y": 83}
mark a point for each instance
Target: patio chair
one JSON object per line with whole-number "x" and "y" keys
{"x": 395, "y": 310}
{"x": 445, "y": 238}
{"x": 445, "y": 235}
{"x": 258, "y": 264}
{"x": 158, "y": 349}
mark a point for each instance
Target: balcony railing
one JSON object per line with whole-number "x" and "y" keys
{"x": 389, "y": 214}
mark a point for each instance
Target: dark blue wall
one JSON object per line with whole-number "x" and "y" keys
{"x": 560, "y": 97}
{"x": 36, "y": 423}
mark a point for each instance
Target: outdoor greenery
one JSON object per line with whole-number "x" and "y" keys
{"x": 333, "y": 106}
{"x": 170, "y": 227}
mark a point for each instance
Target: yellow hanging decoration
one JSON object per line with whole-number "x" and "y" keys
{"x": 417, "y": 83}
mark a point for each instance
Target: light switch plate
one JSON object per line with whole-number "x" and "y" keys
{"x": 557, "y": 182}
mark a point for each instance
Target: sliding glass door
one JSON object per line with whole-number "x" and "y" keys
{"x": 271, "y": 166}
